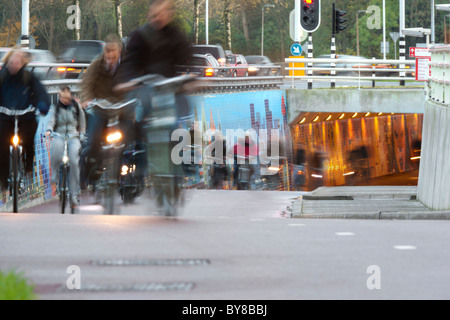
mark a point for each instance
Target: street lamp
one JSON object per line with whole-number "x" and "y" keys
{"x": 357, "y": 30}
{"x": 418, "y": 32}
{"x": 262, "y": 25}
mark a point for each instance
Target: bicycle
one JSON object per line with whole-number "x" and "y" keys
{"x": 64, "y": 170}
{"x": 161, "y": 116}
{"x": 16, "y": 156}
{"x": 112, "y": 148}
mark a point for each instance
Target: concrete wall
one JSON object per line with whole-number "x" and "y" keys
{"x": 434, "y": 173}
{"x": 403, "y": 100}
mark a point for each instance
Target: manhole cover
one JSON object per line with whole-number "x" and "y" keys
{"x": 161, "y": 262}
{"x": 151, "y": 286}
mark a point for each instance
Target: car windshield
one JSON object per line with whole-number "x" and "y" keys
{"x": 81, "y": 53}
{"x": 197, "y": 62}
{"x": 232, "y": 59}
{"x": 216, "y": 51}
{"x": 42, "y": 57}
{"x": 256, "y": 59}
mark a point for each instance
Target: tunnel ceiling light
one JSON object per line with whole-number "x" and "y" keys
{"x": 328, "y": 118}
{"x": 316, "y": 119}
{"x": 342, "y": 116}
{"x": 367, "y": 114}
{"x": 354, "y": 116}
{"x": 303, "y": 120}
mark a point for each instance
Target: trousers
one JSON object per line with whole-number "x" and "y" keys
{"x": 73, "y": 150}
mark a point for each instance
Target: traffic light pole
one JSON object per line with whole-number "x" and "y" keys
{"x": 333, "y": 48}
{"x": 310, "y": 56}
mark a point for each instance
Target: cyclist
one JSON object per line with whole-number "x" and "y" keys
{"x": 97, "y": 85}
{"x": 66, "y": 117}
{"x": 19, "y": 88}
{"x": 154, "y": 48}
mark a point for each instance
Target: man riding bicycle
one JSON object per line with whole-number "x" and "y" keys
{"x": 19, "y": 88}
{"x": 154, "y": 48}
{"x": 66, "y": 118}
{"x": 97, "y": 87}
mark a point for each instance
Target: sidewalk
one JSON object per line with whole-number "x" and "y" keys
{"x": 364, "y": 202}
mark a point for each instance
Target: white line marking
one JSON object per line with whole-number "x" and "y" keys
{"x": 295, "y": 225}
{"x": 344, "y": 234}
{"x": 404, "y": 247}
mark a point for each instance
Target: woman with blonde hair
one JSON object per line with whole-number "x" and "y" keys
{"x": 19, "y": 89}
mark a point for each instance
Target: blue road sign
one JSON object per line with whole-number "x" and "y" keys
{"x": 296, "y": 49}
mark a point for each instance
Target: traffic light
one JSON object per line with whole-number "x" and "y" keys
{"x": 338, "y": 20}
{"x": 310, "y": 15}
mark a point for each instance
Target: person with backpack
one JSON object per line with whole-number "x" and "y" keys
{"x": 66, "y": 118}
{"x": 19, "y": 89}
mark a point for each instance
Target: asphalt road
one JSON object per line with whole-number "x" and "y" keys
{"x": 226, "y": 245}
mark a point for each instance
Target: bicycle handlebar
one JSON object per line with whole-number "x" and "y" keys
{"x": 106, "y": 105}
{"x": 13, "y": 112}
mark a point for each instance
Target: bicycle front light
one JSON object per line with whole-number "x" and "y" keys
{"x": 114, "y": 137}
{"x": 15, "y": 140}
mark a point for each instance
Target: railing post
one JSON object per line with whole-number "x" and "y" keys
{"x": 373, "y": 73}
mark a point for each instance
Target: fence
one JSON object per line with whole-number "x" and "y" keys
{"x": 439, "y": 82}
{"x": 350, "y": 69}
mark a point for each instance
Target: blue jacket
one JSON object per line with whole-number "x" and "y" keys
{"x": 21, "y": 90}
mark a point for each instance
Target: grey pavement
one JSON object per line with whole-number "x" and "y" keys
{"x": 364, "y": 202}
{"x": 227, "y": 245}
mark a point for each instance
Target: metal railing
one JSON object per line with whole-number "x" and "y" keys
{"x": 439, "y": 81}
{"x": 53, "y": 75}
{"x": 350, "y": 69}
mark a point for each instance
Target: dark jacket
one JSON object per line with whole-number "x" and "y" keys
{"x": 22, "y": 90}
{"x": 152, "y": 51}
{"x": 98, "y": 83}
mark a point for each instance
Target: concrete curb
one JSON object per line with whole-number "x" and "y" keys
{"x": 373, "y": 203}
{"x": 439, "y": 215}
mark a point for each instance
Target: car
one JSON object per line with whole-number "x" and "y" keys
{"x": 215, "y": 50}
{"x": 46, "y": 57}
{"x": 353, "y": 67}
{"x": 261, "y": 66}
{"x": 201, "y": 65}
{"x": 238, "y": 60}
{"x": 79, "y": 51}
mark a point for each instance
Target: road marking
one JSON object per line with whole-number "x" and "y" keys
{"x": 404, "y": 247}
{"x": 295, "y": 225}
{"x": 257, "y": 220}
{"x": 93, "y": 207}
{"x": 345, "y": 234}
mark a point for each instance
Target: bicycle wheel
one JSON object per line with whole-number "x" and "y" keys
{"x": 111, "y": 185}
{"x": 15, "y": 178}
{"x": 63, "y": 189}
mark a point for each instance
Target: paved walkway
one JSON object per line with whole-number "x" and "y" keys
{"x": 361, "y": 202}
